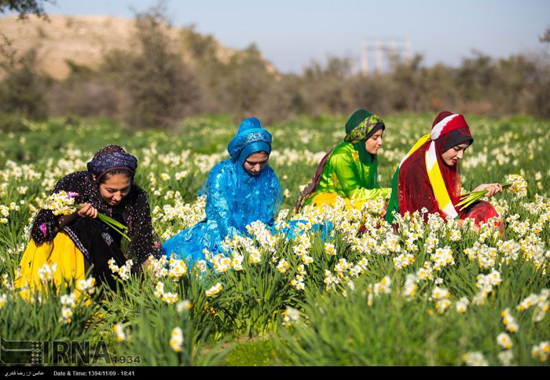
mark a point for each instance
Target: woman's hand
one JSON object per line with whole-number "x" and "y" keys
{"x": 87, "y": 211}
{"x": 146, "y": 263}
{"x": 492, "y": 188}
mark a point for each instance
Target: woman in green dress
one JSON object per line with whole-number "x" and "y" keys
{"x": 350, "y": 170}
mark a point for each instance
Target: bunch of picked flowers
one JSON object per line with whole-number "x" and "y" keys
{"x": 63, "y": 203}
{"x": 514, "y": 182}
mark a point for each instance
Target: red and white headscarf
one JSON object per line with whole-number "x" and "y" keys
{"x": 446, "y": 122}
{"x": 443, "y": 179}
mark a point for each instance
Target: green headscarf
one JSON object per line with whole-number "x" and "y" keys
{"x": 359, "y": 128}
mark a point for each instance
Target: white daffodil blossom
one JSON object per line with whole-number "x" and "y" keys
{"x": 170, "y": 298}
{"x": 119, "y": 331}
{"x": 506, "y": 357}
{"x": 290, "y": 315}
{"x": 541, "y": 351}
{"x": 283, "y": 266}
{"x": 184, "y": 305}
{"x": 159, "y": 290}
{"x": 214, "y": 290}
{"x": 176, "y": 339}
{"x": 475, "y": 359}
{"x": 462, "y": 305}
{"x": 504, "y": 341}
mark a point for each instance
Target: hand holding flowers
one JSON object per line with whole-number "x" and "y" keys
{"x": 514, "y": 182}
{"x": 490, "y": 188}
{"x": 63, "y": 203}
{"x": 87, "y": 210}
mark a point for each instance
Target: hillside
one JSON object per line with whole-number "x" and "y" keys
{"x": 83, "y": 40}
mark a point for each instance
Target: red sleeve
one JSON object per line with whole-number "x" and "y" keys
{"x": 415, "y": 190}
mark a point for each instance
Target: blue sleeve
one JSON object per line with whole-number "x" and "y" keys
{"x": 218, "y": 203}
{"x": 276, "y": 199}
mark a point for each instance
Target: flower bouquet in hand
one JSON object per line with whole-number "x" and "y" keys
{"x": 514, "y": 182}
{"x": 63, "y": 203}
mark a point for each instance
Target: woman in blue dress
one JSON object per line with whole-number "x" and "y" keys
{"x": 239, "y": 190}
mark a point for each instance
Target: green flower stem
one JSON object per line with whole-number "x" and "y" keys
{"x": 114, "y": 224}
{"x": 112, "y": 221}
{"x": 107, "y": 220}
{"x": 469, "y": 198}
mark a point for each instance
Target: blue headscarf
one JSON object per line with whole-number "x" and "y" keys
{"x": 235, "y": 198}
{"x": 251, "y": 138}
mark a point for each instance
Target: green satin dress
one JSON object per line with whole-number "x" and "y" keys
{"x": 347, "y": 176}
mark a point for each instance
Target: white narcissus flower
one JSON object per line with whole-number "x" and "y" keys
{"x": 170, "y": 298}
{"x": 475, "y": 359}
{"x": 119, "y": 331}
{"x": 283, "y": 266}
{"x": 255, "y": 257}
{"x": 159, "y": 289}
{"x": 68, "y": 300}
{"x": 215, "y": 290}
{"x": 506, "y": 357}
{"x": 440, "y": 293}
{"x": 462, "y": 305}
{"x": 504, "y": 341}
{"x": 330, "y": 249}
{"x": 290, "y": 315}
{"x": 66, "y": 312}
{"x": 86, "y": 285}
{"x": 184, "y": 305}
{"x": 176, "y": 339}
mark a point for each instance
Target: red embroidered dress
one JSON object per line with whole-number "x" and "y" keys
{"x": 413, "y": 186}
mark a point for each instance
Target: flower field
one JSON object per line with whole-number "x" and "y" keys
{"x": 366, "y": 294}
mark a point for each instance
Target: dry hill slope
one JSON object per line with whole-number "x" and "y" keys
{"x": 82, "y": 39}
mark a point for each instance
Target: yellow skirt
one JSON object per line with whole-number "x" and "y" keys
{"x": 61, "y": 255}
{"x": 330, "y": 199}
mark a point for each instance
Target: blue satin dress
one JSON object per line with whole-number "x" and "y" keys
{"x": 234, "y": 200}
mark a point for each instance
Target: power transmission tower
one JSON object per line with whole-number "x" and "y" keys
{"x": 389, "y": 49}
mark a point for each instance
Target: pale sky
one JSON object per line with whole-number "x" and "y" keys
{"x": 290, "y": 33}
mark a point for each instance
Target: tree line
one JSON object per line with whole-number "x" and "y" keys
{"x": 158, "y": 86}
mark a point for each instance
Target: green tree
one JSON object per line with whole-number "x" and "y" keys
{"x": 159, "y": 87}
{"x": 440, "y": 88}
{"x": 410, "y": 86}
{"x": 373, "y": 92}
{"x": 326, "y": 87}
{"x": 85, "y": 92}
{"x": 247, "y": 79}
{"x": 24, "y": 7}
{"x": 22, "y": 90}
{"x": 546, "y": 36}
{"x": 475, "y": 76}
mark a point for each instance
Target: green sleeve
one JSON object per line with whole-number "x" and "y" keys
{"x": 393, "y": 206}
{"x": 348, "y": 176}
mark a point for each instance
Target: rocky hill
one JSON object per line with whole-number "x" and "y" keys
{"x": 83, "y": 40}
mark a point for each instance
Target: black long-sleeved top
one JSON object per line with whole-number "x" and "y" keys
{"x": 133, "y": 211}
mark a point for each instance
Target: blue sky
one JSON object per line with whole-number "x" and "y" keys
{"x": 291, "y": 33}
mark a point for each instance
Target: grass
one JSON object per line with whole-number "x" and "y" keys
{"x": 347, "y": 325}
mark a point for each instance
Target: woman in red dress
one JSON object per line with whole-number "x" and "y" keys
{"x": 428, "y": 177}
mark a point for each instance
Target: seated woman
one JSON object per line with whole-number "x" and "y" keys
{"x": 351, "y": 169}
{"x": 428, "y": 177}
{"x": 240, "y": 190}
{"x": 76, "y": 242}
